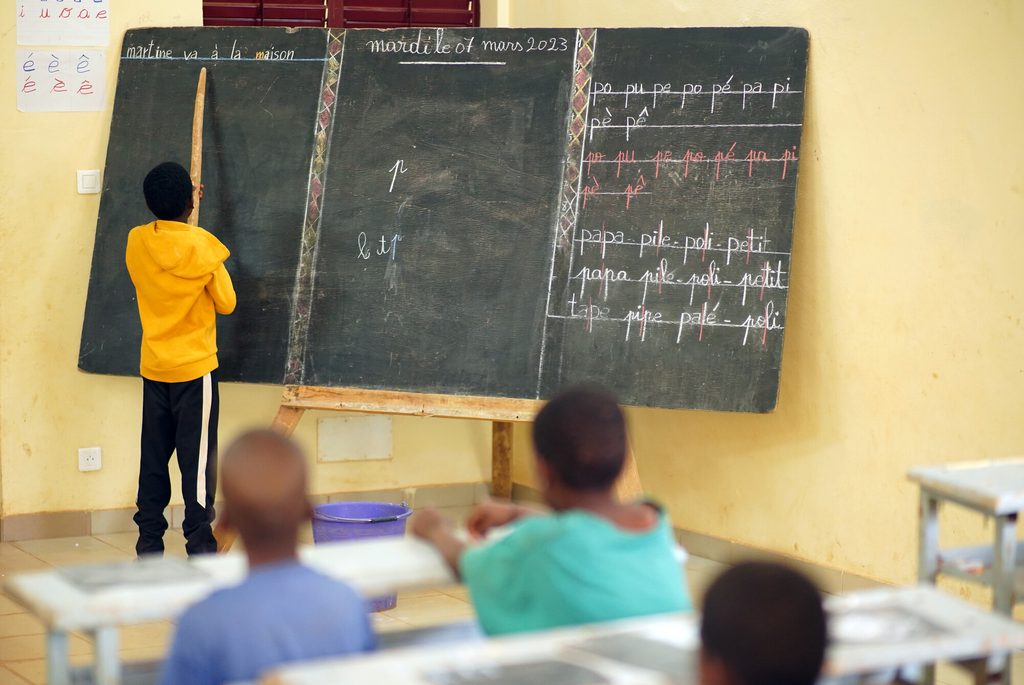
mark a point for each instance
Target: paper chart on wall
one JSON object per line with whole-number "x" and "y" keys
{"x": 64, "y": 80}
{"x": 63, "y": 22}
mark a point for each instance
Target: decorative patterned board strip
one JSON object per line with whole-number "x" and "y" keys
{"x": 305, "y": 275}
{"x": 586, "y": 42}
{"x": 565, "y": 230}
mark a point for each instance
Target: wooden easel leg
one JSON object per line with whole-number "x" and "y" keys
{"x": 501, "y": 459}
{"x": 224, "y": 536}
{"x": 628, "y": 487}
{"x": 287, "y": 418}
{"x": 284, "y": 423}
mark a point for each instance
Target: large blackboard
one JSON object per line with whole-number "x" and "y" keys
{"x": 494, "y": 212}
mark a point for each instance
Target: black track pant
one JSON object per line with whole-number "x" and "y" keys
{"x": 182, "y": 417}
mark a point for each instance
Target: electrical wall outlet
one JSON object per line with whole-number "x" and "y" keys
{"x": 90, "y": 458}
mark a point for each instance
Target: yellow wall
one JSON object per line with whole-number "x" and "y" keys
{"x": 47, "y": 407}
{"x": 904, "y": 341}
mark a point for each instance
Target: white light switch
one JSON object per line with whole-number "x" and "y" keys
{"x": 88, "y": 181}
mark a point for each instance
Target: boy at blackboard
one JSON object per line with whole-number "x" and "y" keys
{"x": 591, "y": 558}
{"x": 283, "y": 611}
{"x": 181, "y": 285}
{"x": 762, "y": 624}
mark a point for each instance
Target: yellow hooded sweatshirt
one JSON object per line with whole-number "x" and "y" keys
{"x": 181, "y": 285}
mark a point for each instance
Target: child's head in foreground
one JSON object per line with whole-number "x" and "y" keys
{"x": 263, "y": 477}
{"x": 763, "y": 624}
{"x": 580, "y": 441}
{"x": 168, "y": 191}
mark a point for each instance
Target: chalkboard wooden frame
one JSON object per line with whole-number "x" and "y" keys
{"x": 410, "y": 403}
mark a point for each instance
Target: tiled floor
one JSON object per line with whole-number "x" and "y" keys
{"x": 21, "y": 635}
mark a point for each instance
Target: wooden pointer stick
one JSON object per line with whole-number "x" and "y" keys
{"x": 224, "y": 537}
{"x": 197, "y": 147}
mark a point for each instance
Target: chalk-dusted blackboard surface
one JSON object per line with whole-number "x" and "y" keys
{"x": 494, "y": 212}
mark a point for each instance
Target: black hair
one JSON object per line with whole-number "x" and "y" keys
{"x": 766, "y": 624}
{"x": 168, "y": 190}
{"x": 581, "y": 435}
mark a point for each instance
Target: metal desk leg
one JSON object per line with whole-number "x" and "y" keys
{"x": 928, "y": 556}
{"x": 1004, "y": 563}
{"x": 108, "y": 663}
{"x": 58, "y": 666}
{"x": 928, "y": 540}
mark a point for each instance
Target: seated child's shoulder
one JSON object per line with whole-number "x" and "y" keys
{"x": 548, "y": 526}
{"x": 552, "y": 532}
{"x": 330, "y": 585}
{"x": 642, "y": 516}
{"x": 571, "y": 532}
{"x": 320, "y": 591}
{"x": 207, "y": 614}
{"x": 529, "y": 536}
{"x": 638, "y": 517}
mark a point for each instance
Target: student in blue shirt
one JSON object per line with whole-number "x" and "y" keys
{"x": 283, "y": 611}
{"x": 591, "y": 558}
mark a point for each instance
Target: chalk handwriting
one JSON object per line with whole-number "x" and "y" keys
{"x": 383, "y": 246}
{"x": 397, "y": 168}
{"x": 709, "y": 282}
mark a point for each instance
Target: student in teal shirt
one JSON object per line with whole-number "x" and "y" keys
{"x": 591, "y": 558}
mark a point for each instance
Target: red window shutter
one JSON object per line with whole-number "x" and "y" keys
{"x": 231, "y": 13}
{"x": 264, "y": 13}
{"x": 398, "y": 13}
{"x": 444, "y": 13}
{"x": 295, "y": 13}
{"x": 378, "y": 14}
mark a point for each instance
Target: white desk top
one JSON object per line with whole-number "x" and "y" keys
{"x": 107, "y": 595}
{"x": 372, "y": 567}
{"x": 995, "y": 486}
{"x": 873, "y": 631}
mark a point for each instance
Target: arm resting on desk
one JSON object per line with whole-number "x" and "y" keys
{"x": 434, "y": 528}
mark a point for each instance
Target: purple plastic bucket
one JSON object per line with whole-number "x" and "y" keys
{"x": 355, "y": 520}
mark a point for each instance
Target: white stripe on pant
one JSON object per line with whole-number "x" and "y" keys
{"x": 204, "y": 442}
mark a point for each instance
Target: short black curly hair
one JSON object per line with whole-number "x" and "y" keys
{"x": 766, "y": 624}
{"x": 581, "y": 435}
{"x": 168, "y": 190}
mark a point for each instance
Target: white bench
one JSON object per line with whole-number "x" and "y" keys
{"x": 97, "y": 600}
{"x": 873, "y": 631}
